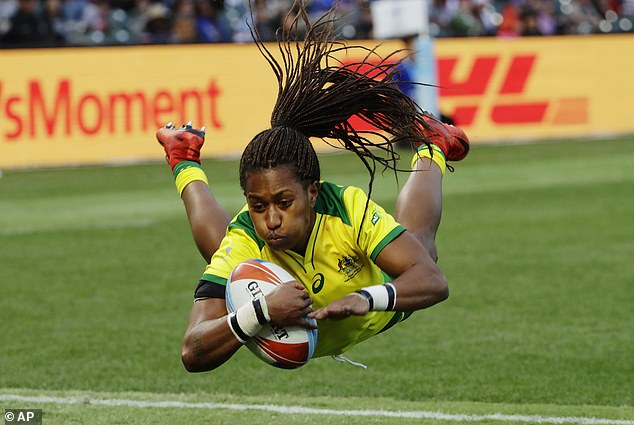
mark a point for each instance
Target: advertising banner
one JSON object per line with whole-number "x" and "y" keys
{"x": 538, "y": 87}
{"x": 103, "y": 105}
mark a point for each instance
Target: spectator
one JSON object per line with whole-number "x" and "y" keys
{"x": 484, "y": 13}
{"x": 406, "y": 70}
{"x": 73, "y": 9}
{"x": 92, "y": 26}
{"x": 441, "y": 13}
{"x": 34, "y": 23}
{"x": 210, "y": 23}
{"x": 7, "y": 9}
{"x": 136, "y": 20}
{"x": 363, "y": 23}
{"x": 184, "y": 23}
{"x": 510, "y": 26}
{"x": 528, "y": 22}
{"x": 158, "y": 29}
{"x": 269, "y": 15}
{"x": 464, "y": 23}
{"x": 546, "y": 17}
{"x": 586, "y": 16}
{"x": 29, "y": 28}
{"x": 55, "y": 15}
{"x": 317, "y": 8}
{"x": 237, "y": 15}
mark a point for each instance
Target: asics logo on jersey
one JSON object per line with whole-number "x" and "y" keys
{"x": 318, "y": 283}
{"x": 350, "y": 266}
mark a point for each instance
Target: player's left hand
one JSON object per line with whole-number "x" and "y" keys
{"x": 350, "y": 305}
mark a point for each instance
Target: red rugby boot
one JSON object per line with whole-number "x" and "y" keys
{"x": 452, "y": 141}
{"x": 181, "y": 144}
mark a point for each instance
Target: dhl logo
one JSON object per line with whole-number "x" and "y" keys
{"x": 494, "y": 90}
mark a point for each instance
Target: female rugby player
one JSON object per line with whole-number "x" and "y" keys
{"x": 359, "y": 270}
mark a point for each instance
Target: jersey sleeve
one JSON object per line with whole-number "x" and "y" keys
{"x": 377, "y": 229}
{"x": 239, "y": 244}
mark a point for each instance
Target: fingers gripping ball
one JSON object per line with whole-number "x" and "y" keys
{"x": 284, "y": 347}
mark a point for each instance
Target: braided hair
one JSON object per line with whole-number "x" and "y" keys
{"x": 317, "y": 95}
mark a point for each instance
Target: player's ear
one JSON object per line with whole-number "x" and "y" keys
{"x": 313, "y": 191}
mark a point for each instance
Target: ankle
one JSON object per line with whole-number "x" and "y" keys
{"x": 433, "y": 153}
{"x": 186, "y": 172}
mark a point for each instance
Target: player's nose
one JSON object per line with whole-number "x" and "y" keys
{"x": 273, "y": 218}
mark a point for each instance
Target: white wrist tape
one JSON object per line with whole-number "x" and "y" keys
{"x": 380, "y": 297}
{"x": 248, "y": 320}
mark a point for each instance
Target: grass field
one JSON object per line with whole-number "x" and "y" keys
{"x": 98, "y": 269}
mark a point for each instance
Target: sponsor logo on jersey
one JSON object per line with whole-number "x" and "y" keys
{"x": 375, "y": 217}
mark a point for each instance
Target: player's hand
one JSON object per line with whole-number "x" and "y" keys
{"x": 289, "y": 304}
{"x": 350, "y": 305}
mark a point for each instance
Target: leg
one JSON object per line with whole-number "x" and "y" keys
{"x": 207, "y": 219}
{"x": 419, "y": 204}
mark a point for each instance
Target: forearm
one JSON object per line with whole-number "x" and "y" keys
{"x": 208, "y": 345}
{"x": 420, "y": 287}
{"x": 212, "y": 336}
{"x": 207, "y": 219}
{"x": 418, "y": 281}
{"x": 418, "y": 284}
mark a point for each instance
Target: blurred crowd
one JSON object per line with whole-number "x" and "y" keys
{"x": 27, "y": 23}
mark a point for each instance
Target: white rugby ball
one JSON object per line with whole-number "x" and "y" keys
{"x": 284, "y": 347}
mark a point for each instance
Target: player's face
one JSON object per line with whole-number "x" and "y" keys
{"x": 281, "y": 209}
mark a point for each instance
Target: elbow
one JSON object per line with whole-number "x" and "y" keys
{"x": 193, "y": 362}
{"x": 439, "y": 292}
{"x": 442, "y": 289}
{"x": 443, "y": 293}
{"x": 190, "y": 361}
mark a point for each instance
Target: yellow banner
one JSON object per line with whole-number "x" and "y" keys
{"x": 538, "y": 87}
{"x": 102, "y": 105}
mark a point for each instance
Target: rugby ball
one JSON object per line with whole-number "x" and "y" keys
{"x": 284, "y": 347}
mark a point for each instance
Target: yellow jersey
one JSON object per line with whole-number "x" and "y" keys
{"x": 339, "y": 260}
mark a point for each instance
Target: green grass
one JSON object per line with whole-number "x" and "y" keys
{"x": 98, "y": 269}
{"x": 73, "y": 407}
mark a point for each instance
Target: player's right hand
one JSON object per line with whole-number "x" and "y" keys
{"x": 289, "y": 304}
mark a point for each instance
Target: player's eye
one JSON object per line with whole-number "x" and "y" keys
{"x": 257, "y": 207}
{"x": 285, "y": 203}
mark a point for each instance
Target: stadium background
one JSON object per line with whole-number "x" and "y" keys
{"x": 536, "y": 241}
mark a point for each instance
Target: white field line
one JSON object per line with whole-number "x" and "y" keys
{"x": 533, "y": 419}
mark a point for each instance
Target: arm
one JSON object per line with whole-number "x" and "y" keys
{"x": 209, "y": 341}
{"x": 418, "y": 281}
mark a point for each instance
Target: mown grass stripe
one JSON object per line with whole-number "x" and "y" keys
{"x": 533, "y": 419}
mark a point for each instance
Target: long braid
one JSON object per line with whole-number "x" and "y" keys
{"x": 317, "y": 95}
